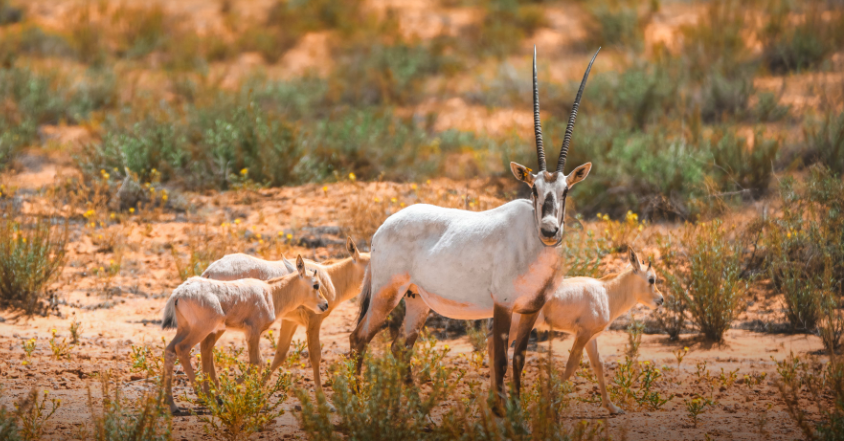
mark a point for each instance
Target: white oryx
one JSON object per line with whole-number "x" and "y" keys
{"x": 473, "y": 265}
{"x": 202, "y": 309}
{"x": 585, "y": 307}
{"x": 345, "y": 275}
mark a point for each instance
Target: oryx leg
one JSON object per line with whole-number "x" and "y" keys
{"x": 501, "y": 318}
{"x": 253, "y": 344}
{"x": 384, "y": 298}
{"x": 416, "y": 313}
{"x": 526, "y": 322}
{"x": 285, "y": 336}
{"x": 576, "y": 355}
{"x": 598, "y": 368}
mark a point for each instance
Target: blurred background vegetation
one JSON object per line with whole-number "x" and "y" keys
{"x": 690, "y": 102}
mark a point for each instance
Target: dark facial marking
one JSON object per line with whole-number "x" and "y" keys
{"x": 548, "y": 205}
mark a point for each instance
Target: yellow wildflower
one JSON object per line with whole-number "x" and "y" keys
{"x": 244, "y": 172}
{"x": 131, "y": 210}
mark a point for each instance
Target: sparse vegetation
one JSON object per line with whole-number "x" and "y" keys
{"x": 32, "y": 254}
{"x": 241, "y": 402}
{"x": 146, "y": 419}
{"x": 711, "y": 286}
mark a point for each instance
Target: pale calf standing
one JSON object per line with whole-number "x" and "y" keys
{"x": 346, "y": 276}
{"x": 243, "y": 266}
{"x": 585, "y": 307}
{"x": 202, "y": 309}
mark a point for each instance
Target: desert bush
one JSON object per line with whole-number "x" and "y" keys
{"x": 726, "y": 96}
{"x": 641, "y": 95}
{"x": 789, "y": 46}
{"x": 204, "y": 247}
{"x": 710, "y": 284}
{"x": 146, "y": 419}
{"x": 806, "y": 248}
{"x": 618, "y": 23}
{"x": 824, "y": 384}
{"x": 32, "y": 255}
{"x": 501, "y": 28}
{"x": 768, "y": 108}
{"x": 378, "y": 73}
{"x": 243, "y": 402}
{"x": 717, "y": 40}
{"x": 34, "y": 412}
{"x": 825, "y": 141}
{"x": 9, "y": 425}
{"x": 583, "y": 251}
{"x": 379, "y": 404}
{"x": 742, "y": 167}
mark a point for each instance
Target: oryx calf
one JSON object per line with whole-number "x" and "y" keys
{"x": 346, "y": 276}
{"x": 202, "y": 309}
{"x": 585, "y": 307}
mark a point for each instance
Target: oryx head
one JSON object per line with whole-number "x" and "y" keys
{"x": 549, "y": 190}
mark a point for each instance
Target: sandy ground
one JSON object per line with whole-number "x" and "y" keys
{"x": 122, "y": 311}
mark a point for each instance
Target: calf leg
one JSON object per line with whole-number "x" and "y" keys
{"x": 526, "y": 322}
{"x": 575, "y": 355}
{"x": 501, "y": 318}
{"x": 206, "y": 350}
{"x": 314, "y": 349}
{"x": 285, "y": 336}
{"x": 598, "y": 367}
{"x": 169, "y": 364}
{"x": 416, "y": 313}
{"x": 182, "y": 349}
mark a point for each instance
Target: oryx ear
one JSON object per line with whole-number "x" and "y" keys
{"x": 634, "y": 260}
{"x": 300, "y": 266}
{"x": 522, "y": 173}
{"x": 578, "y": 174}
{"x": 352, "y": 249}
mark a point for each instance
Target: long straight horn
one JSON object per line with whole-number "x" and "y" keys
{"x": 564, "y": 150}
{"x": 537, "y": 125}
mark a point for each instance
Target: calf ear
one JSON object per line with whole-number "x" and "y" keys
{"x": 634, "y": 260}
{"x": 291, "y": 267}
{"x": 300, "y": 266}
{"x": 522, "y": 173}
{"x": 578, "y": 174}
{"x": 352, "y": 249}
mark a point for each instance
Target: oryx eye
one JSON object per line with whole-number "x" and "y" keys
{"x": 316, "y": 285}
{"x": 651, "y": 280}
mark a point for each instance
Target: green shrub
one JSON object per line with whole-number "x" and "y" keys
{"x": 768, "y": 108}
{"x": 789, "y": 46}
{"x": 32, "y": 254}
{"x": 711, "y": 283}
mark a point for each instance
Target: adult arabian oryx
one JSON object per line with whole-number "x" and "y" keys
{"x": 473, "y": 265}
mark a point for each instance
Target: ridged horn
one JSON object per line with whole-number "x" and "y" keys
{"x": 537, "y": 125}
{"x": 564, "y": 150}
